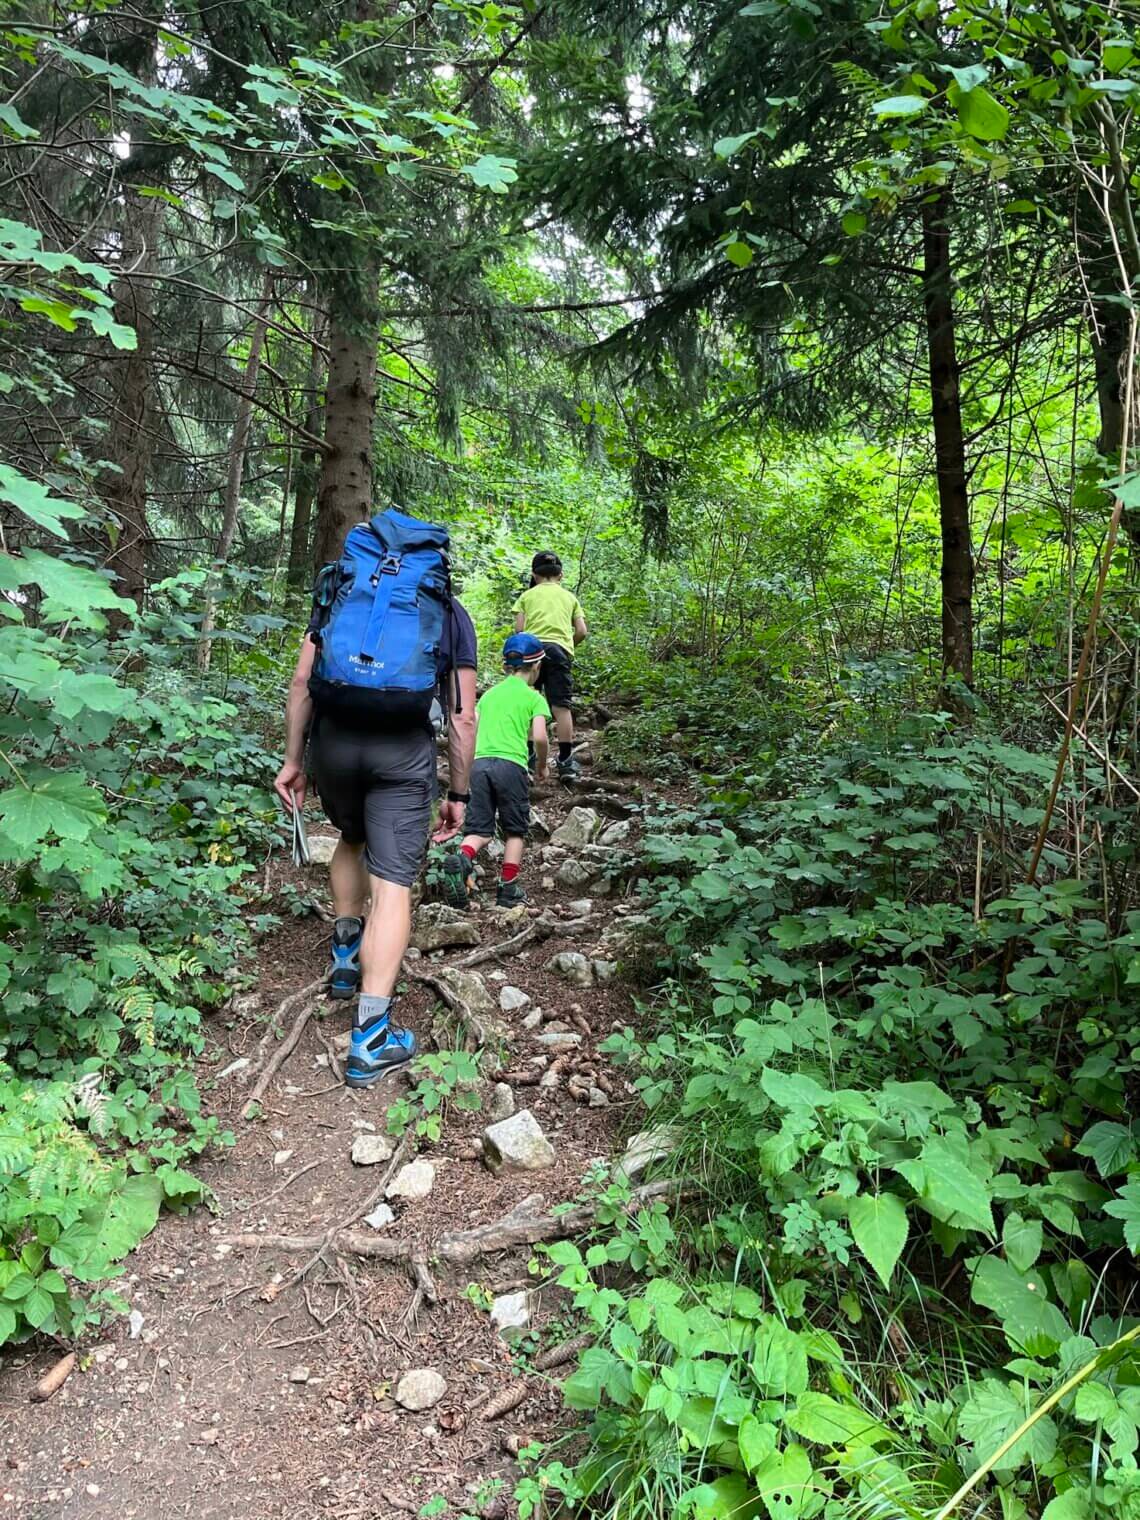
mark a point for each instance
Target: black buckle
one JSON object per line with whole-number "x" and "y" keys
{"x": 390, "y": 564}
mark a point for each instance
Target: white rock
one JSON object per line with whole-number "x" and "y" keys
{"x": 580, "y": 827}
{"x": 548, "y": 883}
{"x": 321, "y": 848}
{"x": 599, "y": 1099}
{"x": 646, "y": 1147}
{"x": 617, "y": 833}
{"x": 412, "y": 1181}
{"x": 502, "y": 1104}
{"x": 233, "y": 1068}
{"x": 511, "y": 998}
{"x": 539, "y": 827}
{"x": 558, "y": 1040}
{"x": 576, "y": 874}
{"x": 420, "y": 1389}
{"x": 437, "y": 926}
{"x": 280, "y": 1157}
{"x": 517, "y": 1144}
{"x": 510, "y": 1314}
{"x": 574, "y": 966}
{"x": 380, "y": 1217}
{"x": 136, "y": 1319}
{"x": 496, "y": 849}
{"x": 370, "y": 1150}
{"x": 604, "y": 971}
{"x": 470, "y": 987}
{"x": 533, "y": 1019}
{"x": 299, "y": 1375}
{"x": 581, "y": 906}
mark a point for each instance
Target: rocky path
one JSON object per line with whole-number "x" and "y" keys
{"x": 353, "y": 1332}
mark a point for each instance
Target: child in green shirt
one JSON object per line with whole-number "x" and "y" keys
{"x": 507, "y": 717}
{"x": 555, "y": 617}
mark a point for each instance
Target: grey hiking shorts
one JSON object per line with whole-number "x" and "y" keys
{"x": 498, "y": 788}
{"x": 378, "y": 790}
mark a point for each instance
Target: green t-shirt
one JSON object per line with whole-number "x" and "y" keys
{"x": 550, "y": 611}
{"x": 505, "y": 714}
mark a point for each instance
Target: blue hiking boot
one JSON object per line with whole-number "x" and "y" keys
{"x": 345, "y": 979}
{"x": 375, "y": 1050}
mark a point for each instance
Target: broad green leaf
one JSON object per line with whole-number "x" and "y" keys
{"x": 33, "y": 501}
{"x": 13, "y": 122}
{"x": 784, "y": 1483}
{"x": 789, "y": 1089}
{"x": 990, "y": 1416}
{"x": 824, "y": 1420}
{"x": 953, "y": 1189}
{"x": 1126, "y": 1207}
{"x": 854, "y": 222}
{"x": 725, "y": 147}
{"x": 37, "y": 1308}
{"x": 779, "y": 1360}
{"x": 125, "y": 1217}
{"x": 7, "y": 1323}
{"x": 70, "y": 591}
{"x": 738, "y": 253}
{"x": 1020, "y": 1301}
{"x": 980, "y": 114}
{"x": 900, "y": 105}
{"x": 1022, "y": 1239}
{"x": 756, "y": 1440}
{"x": 879, "y": 1224}
{"x": 1074, "y": 1504}
{"x": 1110, "y": 1146}
{"x": 492, "y": 172}
{"x": 728, "y": 1498}
{"x": 48, "y": 802}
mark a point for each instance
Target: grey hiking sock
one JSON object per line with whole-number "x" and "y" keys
{"x": 370, "y": 1009}
{"x": 345, "y": 930}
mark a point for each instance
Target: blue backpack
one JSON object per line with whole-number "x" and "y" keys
{"x": 384, "y": 603}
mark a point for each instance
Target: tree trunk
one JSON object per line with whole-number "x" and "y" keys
{"x": 238, "y": 445}
{"x": 300, "y": 573}
{"x": 130, "y": 443}
{"x": 345, "y": 494}
{"x": 949, "y": 444}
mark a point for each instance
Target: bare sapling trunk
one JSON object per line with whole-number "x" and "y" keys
{"x": 236, "y": 469}
{"x": 949, "y": 445}
{"x": 344, "y": 497}
{"x": 300, "y": 573}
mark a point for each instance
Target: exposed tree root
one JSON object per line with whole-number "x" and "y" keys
{"x": 524, "y": 1225}
{"x": 538, "y": 929}
{"x": 307, "y": 997}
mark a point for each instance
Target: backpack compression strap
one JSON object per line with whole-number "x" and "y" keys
{"x": 386, "y": 581}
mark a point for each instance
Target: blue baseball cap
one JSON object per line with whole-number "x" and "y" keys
{"x": 522, "y": 649}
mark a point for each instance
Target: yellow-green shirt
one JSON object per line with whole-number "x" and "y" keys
{"x": 506, "y": 713}
{"x": 550, "y": 611}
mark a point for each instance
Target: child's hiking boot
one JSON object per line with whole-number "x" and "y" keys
{"x": 375, "y": 1050}
{"x": 510, "y": 894}
{"x": 344, "y": 979}
{"x": 569, "y": 770}
{"x": 457, "y": 880}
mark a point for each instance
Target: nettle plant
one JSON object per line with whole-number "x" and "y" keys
{"x": 130, "y": 814}
{"x": 916, "y": 1110}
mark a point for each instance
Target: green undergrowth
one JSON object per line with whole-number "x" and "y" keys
{"x": 133, "y": 808}
{"x": 898, "y": 1081}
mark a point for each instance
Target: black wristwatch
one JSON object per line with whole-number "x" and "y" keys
{"x": 464, "y": 797}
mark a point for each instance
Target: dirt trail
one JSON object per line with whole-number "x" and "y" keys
{"x": 247, "y": 1394}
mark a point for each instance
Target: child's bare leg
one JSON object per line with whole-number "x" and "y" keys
{"x": 473, "y": 843}
{"x": 513, "y": 851}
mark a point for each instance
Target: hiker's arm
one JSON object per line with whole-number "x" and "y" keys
{"x": 290, "y": 782}
{"x": 580, "y": 630}
{"x": 520, "y": 622}
{"x": 541, "y": 747}
{"x": 460, "y": 748}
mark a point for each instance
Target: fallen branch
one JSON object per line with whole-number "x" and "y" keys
{"x": 308, "y": 996}
{"x": 276, "y": 1193}
{"x": 53, "y": 1379}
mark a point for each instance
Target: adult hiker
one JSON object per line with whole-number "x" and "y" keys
{"x": 388, "y": 656}
{"x": 555, "y": 617}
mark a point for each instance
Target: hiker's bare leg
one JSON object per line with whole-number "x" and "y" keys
{"x": 513, "y": 851}
{"x": 563, "y": 724}
{"x": 348, "y": 880}
{"x": 386, "y": 937}
{"x": 475, "y": 842}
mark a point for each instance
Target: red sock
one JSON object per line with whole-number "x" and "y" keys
{"x": 465, "y": 849}
{"x": 510, "y": 872}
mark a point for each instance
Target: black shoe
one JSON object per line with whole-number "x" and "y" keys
{"x": 457, "y": 880}
{"x": 510, "y": 894}
{"x": 569, "y": 770}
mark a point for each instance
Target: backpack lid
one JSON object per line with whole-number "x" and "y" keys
{"x": 401, "y": 533}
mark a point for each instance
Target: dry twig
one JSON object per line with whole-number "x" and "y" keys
{"x": 308, "y": 998}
